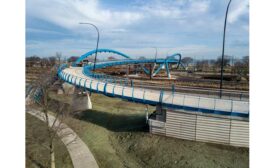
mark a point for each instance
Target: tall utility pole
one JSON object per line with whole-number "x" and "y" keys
{"x": 151, "y": 69}
{"x": 96, "y": 42}
{"x": 156, "y": 53}
{"x": 224, "y": 29}
{"x": 195, "y": 63}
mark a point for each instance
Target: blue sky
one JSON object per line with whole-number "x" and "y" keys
{"x": 192, "y": 27}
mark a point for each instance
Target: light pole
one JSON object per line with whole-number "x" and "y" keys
{"x": 224, "y": 28}
{"x": 96, "y": 42}
{"x": 195, "y": 63}
{"x": 168, "y": 51}
{"x": 156, "y": 53}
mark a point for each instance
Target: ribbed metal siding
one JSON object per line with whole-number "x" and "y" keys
{"x": 157, "y": 127}
{"x": 180, "y": 125}
{"x": 239, "y": 135}
{"x": 211, "y": 129}
{"x": 198, "y": 127}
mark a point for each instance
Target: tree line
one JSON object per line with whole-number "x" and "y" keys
{"x": 43, "y": 61}
{"x": 239, "y": 66}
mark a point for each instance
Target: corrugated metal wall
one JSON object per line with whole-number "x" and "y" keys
{"x": 198, "y": 127}
{"x": 239, "y": 135}
{"x": 211, "y": 129}
{"x": 157, "y": 127}
{"x": 181, "y": 125}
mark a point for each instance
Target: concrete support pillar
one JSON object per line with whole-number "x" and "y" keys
{"x": 60, "y": 91}
{"x": 81, "y": 102}
{"x": 146, "y": 114}
{"x": 89, "y": 103}
{"x": 68, "y": 88}
{"x": 160, "y": 113}
{"x": 167, "y": 70}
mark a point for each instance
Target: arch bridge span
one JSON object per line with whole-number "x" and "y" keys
{"x": 84, "y": 78}
{"x": 82, "y": 57}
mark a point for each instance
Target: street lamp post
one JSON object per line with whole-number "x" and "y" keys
{"x": 156, "y": 53}
{"x": 168, "y": 52}
{"x": 194, "y": 63}
{"x": 221, "y": 78}
{"x": 96, "y": 42}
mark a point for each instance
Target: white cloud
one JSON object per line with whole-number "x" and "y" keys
{"x": 175, "y": 9}
{"x": 42, "y": 31}
{"x": 199, "y": 6}
{"x": 238, "y": 9}
{"x": 67, "y": 13}
{"x": 195, "y": 25}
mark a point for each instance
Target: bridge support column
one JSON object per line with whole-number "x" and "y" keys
{"x": 68, "y": 88}
{"x": 160, "y": 113}
{"x": 81, "y": 102}
{"x": 80, "y": 99}
{"x": 167, "y": 70}
{"x": 89, "y": 103}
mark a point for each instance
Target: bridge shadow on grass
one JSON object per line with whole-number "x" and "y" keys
{"x": 115, "y": 122}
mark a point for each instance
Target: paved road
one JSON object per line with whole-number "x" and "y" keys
{"x": 80, "y": 154}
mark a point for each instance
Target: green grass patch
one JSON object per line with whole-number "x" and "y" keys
{"x": 37, "y": 155}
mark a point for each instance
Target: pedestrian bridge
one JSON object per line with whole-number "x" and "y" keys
{"x": 83, "y": 77}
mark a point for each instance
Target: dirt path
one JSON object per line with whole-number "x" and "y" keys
{"x": 79, "y": 152}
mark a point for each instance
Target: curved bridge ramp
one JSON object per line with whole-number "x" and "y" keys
{"x": 77, "y": 77}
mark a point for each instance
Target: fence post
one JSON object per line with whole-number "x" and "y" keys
{"x": 173, "y": 88}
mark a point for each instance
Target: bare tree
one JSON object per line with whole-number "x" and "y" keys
{"x": 186, "y": 61}
{"x": 241, "y": 68}
{"x": 141, "y": 58}
{"x": 202, "y": 65}
{"x": 41, "y": 96}
{"x": 52, "y": 60}
{"x": 246, "y": 67}
{"x": 45, "y": 62}
{"x": 58, "y": 56}
{"x": 111, "y": 58}
{"x": 226, "y": 61}
{"x": 73, "y": 58}
{"x": 30, "y": 61}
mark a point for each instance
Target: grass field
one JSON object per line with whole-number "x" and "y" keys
{"x": 37, "y": 155}
{"x": 117, "y": 135}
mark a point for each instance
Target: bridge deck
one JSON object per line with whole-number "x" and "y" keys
{"x": 177, "y": 100}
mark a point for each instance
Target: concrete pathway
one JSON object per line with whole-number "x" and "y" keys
{"x": 80, "y": 154}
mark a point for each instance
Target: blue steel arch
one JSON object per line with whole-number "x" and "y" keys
{"x": 168, "y": 60}
{"x": 82, "y": 57}
{"x": 173, "y": 57}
